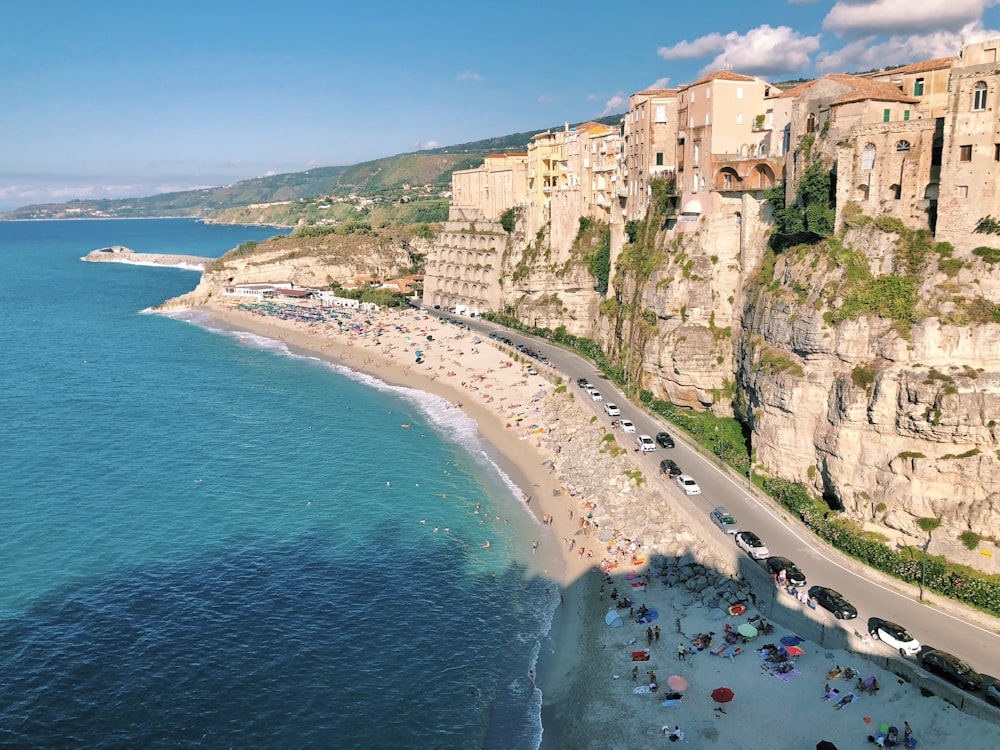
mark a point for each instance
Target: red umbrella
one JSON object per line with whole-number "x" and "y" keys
{"x": 722, "y": 695}
{"x": 676, "y": 682}
{"x": 794, "y": 651}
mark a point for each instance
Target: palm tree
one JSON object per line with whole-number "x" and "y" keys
{"x": 928, "y": 525}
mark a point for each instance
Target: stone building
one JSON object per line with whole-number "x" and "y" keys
{"x": 970, "y": 175}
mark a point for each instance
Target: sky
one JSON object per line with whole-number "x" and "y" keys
{"x": 120, "y": 98}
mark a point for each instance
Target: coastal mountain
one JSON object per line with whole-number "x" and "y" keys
{"x": 432, "y": 168}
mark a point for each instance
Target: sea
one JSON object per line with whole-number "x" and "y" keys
{"x": 212, "y": 541}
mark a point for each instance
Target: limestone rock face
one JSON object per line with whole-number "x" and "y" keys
{"x": 892, "y": 422}
{"x": 306, "y": 261}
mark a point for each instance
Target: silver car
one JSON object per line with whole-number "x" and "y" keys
{"x": 722, "y": 518}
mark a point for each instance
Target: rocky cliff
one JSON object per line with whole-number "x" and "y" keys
{"x": 314, "y": 261}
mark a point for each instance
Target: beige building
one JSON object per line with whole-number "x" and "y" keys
{"x": 928, "y": 81}
{"x": 970, "y": 169}
{"x": 649, "y": 134}
{"x": 720, "y": 149}
{"x": 487, "y": 191}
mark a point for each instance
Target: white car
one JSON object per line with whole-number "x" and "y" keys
{"x": 687, "y": 483}
{"x": 626, "y": 425}
{"x": 894, "y": 635}
{"x": 645, "y": 444}
{"x": 752, "y": 544}
{"x": 612, "y": 410}
{"x": 596, "y": 395}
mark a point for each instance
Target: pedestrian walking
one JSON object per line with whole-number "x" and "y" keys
{"x": 656, "y": 633}
{"x": 649, "y": 636}
{"x": 681, "y": 652}
{"x": 635, "y": 674}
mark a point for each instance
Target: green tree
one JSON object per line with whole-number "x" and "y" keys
{"x": 929, "y": 526}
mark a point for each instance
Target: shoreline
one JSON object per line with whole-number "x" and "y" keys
{"x": 561, "y": 457}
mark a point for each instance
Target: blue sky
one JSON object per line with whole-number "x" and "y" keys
{"x": 118, "y": 99}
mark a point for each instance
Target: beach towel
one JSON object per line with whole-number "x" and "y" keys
{"x": 642, "y": 689}
{"x": 651, "y": 614}
{"x": 846, "y": 701}
{"x": 717, "y": 651}
{"x": 786, "y": 676}
{"x": 791, "y": 640}
{"x": 640, "y": 655}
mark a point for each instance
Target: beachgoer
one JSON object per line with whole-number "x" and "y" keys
{"x": 649, "y": 636}
{"x": 681, "y": 651}
{"x": 656, "y": 633}
{"x": 534, "y": 546}
{"x": 635, "y": 674}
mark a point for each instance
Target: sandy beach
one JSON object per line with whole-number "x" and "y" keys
{"x": 617, "y": 534}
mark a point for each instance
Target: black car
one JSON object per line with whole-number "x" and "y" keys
{"x": 582, "y": 382}
{"x": 670, "y": 468}
{"x": 664, "y": 440}
{"x": 951, "y": 668}
{"x": 993, "y": 693}
{"x": 793, "y": 576}
{"x": 833, "y": 601}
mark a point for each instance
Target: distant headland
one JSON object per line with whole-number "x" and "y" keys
{"x": 121, "y": 254}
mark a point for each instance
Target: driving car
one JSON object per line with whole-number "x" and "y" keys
{"x": 722, "y": 518}
{"x": 645, "y": 444}
{"x": 612, "y": 410}
{"x": 894, "y": 635}
{"x": 664, "y": 440}
{"x": 627, "y": 425}
{"x": 670, "y": 468}
{"x": 688, "y": 484}
{"x": 776, "y": 565}
{"x": 596, "y": 395}
{"x": 582, "y": 382}
{"x": 832, "y": 600}
{"x": 951, "y": 668}
{"x": 752, "y": 544}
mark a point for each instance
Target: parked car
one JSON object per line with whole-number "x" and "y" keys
{"x": 993, "y": 693}
{"x": 722, "y": 518}
{"x": 894, "y": 635}
{"x": 532, "y": 371}
{"x": 582, "y": 382}
{"x": 752, "y": 544}
{"x": 951, "y": 668}
{"x": 596, "y": 395}
{"x": 670, "y": 468}
{"x": 664, "y": 440}
{"x": 776, "y": 565}
{"x": 544, "y": 360}
{"x": 645, "y": 444}
{"x": 832, "y": 600}
{"x": 612, "y": 410}
{"x": 627, "y": 425}
{"x": 521, "y": 348}
{"x": 688, "y": 484}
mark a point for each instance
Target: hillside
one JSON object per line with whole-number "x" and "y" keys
{"x": 432, "y": 168}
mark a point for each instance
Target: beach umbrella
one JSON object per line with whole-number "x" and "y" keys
{"x": 825, "y": 745}
{"x": 747, "y": 630}
{"x": 676, "y": 682}
{"x": 722, "y": 695}
{"x": 794, "y": 651}
{"x": 613, "y": 619}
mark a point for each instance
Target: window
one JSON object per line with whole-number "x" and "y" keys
{"x": 963, "y": 191}
{"x": 918, "y": 87}
{"x": 979, "y": 97}
{"x": 661, "y": 113}
{"x": 692, "y": 121}
{"x": 886, "y": 114}
{"x": 739, "y": 92}
{"x": 903, "y": 146}
{"x": 996, "y": 152}
{"x": 868, "y": 156}
{"x": 659, "y": 158}
{"x": 906, "y": 114}
{"x": 739, "y": 118}
{"x": 708, "y": 119}
{"x": 703, "y": 184}
{"x": 692, "y": 97}
{"x": 810, "y": 123}
{"x": 897, "y": 191}
{"x": 708, "y": 94}
{"x": 697, "y": 152}
{"x": 965, "y": 153}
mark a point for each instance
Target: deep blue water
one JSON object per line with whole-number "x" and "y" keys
{"x": 200, "y": 547}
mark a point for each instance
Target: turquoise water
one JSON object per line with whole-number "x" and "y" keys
{"x": 211, "y": 541}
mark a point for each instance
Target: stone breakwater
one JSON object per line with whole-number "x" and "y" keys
{"x": 629, "y": 516}
{"x": 121, "y": 254}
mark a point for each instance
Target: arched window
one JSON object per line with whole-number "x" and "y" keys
{"x": 979, "y": 97}
{"x": 810, "y": 123}
{"x": 897, "y": 191}
{"x": 868, "y": 156}
{"x": 903, "y": 146}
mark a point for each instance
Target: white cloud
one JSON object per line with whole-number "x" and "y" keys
{"x": 764, "y": 50}
{"x": 703, "y": 46}
{"x": 660, "y": 83}
{"x": 868, "y": 54}
{"x": 866, "y": 17}
{"x": 615, "y": 105}
{"x": 469, "y": 75}
{"x": 418, "y": 146}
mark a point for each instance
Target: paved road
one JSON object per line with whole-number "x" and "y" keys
{"x": 944, "y": 627}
